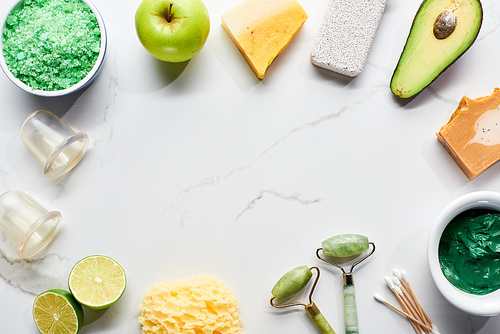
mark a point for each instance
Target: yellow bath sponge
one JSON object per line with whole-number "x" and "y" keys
{"x": 201, "y": 305}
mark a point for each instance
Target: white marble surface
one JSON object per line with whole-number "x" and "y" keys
{"x": 200, "y": 168}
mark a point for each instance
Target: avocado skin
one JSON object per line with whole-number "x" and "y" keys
{"x": 406, "y": 95}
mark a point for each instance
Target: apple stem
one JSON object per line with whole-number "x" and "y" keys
{"x": 169, "y": 12}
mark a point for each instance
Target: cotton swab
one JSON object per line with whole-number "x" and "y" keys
{"x": 397, "y": 293}
{"x": 380, "y": 299}
{"x": 410, "y": 297}
{"x": 402, "y": 276}
{"x": 404, "y": 280}
{"x": 409, "y": 302}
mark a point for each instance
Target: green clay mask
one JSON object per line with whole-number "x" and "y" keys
{"x": 469, "y": 251}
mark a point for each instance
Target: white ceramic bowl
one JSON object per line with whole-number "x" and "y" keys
{"x": 87, "y": 80}
{"x": 486, "y": 305}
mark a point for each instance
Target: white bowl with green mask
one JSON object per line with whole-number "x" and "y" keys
{"x": 472, "y": 206}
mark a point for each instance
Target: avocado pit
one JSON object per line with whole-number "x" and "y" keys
{"x": 445, "y": 25}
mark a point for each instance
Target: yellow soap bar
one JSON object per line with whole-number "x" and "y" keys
{"x": 261, "y": 29}
{"x": 472, "y": 135}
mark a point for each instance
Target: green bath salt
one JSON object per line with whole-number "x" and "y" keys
{"x": 51, "y": 44}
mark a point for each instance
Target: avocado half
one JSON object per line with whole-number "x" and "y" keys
{"x": 441, "y": 32}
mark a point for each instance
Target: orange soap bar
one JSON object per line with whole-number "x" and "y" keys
{"x": 472, "y": 135}
{"x": 261, "y": 29}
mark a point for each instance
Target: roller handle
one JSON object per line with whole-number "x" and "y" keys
{"x": 319, "y": 319}
{"x": 323, "y": 325}
{"x": 350, "y": 311}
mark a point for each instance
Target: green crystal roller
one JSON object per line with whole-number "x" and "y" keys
{"x": 345, "y": 247}
{"x": 290, "y": 284}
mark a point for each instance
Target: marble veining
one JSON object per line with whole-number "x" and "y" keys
{"x": 292, "y": 198}
{"x": 113, "y": 93}
{"x": 34, "y": 276}
{"x": 309, "y": 126}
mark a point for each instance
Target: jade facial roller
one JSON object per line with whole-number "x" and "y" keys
{"x": 290, "y": 284}
{"x": 346, "y": 246}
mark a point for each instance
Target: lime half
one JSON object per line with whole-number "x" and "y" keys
{"x": 97, "y": 281}
{"x": 57, "y": 312}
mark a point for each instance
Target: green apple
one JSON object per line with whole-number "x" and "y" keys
{"x": 172, "y": 30}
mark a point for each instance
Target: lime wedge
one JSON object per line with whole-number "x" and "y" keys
{"x": 57, "y": 312}
{"x": 97, "y": 281}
